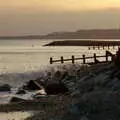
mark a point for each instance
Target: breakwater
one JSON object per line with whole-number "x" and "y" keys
{"x": 83, "y": 43}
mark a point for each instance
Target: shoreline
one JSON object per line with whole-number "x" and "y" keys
{"x": 93, "y": 89}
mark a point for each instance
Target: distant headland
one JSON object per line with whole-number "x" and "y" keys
{"x": 79, "y": 34}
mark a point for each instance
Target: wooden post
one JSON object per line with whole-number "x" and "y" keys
{"x": 118, "y": 47}
{"x": 83, "y": 59}
{"x": 108, "y": 47}
{"x": 98, "y": 47}
{"x": 62, "y": 61}
{"x": 93, "y": 47}
{"x": 112, "y": 57}
{"x": 73, "y": 59}
{"x": 113, "y": 47}
{"x": 51, "y": 60}
{"x": 89, "y": 48}
{"x": 103, "y": 47}
{"x": 95, "y": 57}
{"x": 106, "y": 56}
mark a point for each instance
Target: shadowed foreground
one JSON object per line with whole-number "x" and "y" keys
{"x": 94, "y": 94}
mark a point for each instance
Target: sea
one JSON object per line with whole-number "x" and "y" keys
{"x": 22, "y": 60}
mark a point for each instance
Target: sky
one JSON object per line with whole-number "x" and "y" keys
{"x": 25, "y": 17}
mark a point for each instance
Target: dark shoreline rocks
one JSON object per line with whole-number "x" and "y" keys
{"x": 17, "y": 100}
{"x": 32, "y": 85}
{"x": 5, "y": 87}
{"x": 95, "y": 88}
{"x": 21, "y": 91}
{"x": 52, "y": 84}
{"x": 50, "y": 89}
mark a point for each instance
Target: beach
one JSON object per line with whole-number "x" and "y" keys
{"x": 23, "y": 62}
{"x": 93, "y": 95}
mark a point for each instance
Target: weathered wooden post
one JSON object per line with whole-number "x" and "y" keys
{"x": 98, "y": 47}
{"x": 51, "y": 60}
{"x": 118, "y": 47}
{"x": 83, "y": 59}
{"x": 103, "y": 47}
{"x": 113, "y": 47}
{"x": 73, "y": 59}
{"x": 106, "y": 56}
{"x": 93, "y": 47}
{"x": 108, "y": 47}
{"x": 113, "y": 58}
{"x": 95, "y": 57}
{"x": 89, "y": 48}
{"x": 62, "y": 60}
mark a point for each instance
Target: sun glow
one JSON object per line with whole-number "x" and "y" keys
{"x": 61, "y": 5}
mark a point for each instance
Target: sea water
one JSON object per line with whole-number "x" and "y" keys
{"x": 22, "y": 60}
{"x": 18, "y": 57}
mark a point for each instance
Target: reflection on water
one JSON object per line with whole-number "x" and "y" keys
{"x": 30, "y": 55}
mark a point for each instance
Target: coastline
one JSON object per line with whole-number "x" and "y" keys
{"x": 94, "y": 94}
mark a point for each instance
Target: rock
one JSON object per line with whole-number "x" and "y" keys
{"x": 21, "y": 91}
{"x": 39, "y": 93}
{"x": 76, "y": 93}
{"x": 33, "y": 85}
{"x": 5, "y": 87}
{"x": 84, "y": 118}
{"x": 55, "y": 88}
{"x": 40, "y": 81}
{"x": 115, "y": 84}
{"x": 16, "y": 99}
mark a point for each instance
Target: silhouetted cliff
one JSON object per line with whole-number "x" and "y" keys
{"x": 79, "y": 34}
{"x": 86, "y": 34}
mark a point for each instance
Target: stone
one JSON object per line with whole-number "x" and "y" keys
{"x": 33, "y": 85}
{"x": 16, "y": 99}
{"x": 39, "y": 93}
{"x": 5, "y": 87}
{"x": 56, "y": 88}
{"x": 21, "y": 91}
{"x": 115, "y": 84}
{"x": 84, "y": 118}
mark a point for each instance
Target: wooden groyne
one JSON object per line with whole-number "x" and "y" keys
{"x": 103, "y": 47}
{"x": 84, "y": 59}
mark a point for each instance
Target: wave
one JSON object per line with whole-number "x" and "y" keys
{"x": 18, "y": 79}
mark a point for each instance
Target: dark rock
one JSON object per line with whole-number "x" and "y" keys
{"x": 16, "y": 99}
{"x": 33, "y": 85}
{"x": 115, "y": 84}
{"x": 41, "y": 81}
{"x": 65, "y": 75}
{"x": 55, "y": 88}
{"x": 5, "y": 87}
{"x": 21, "y": 91}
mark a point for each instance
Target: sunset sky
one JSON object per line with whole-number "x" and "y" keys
{"x": 23, "y": 17}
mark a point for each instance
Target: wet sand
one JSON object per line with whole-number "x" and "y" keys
{"x": 15, "y": 115}
{"x": 46, "y": 106}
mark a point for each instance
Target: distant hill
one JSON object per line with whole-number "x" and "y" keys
{"x": 22, "y": 37}
{"x": 86, "y": 34}
{"x": 79, "y": 34}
